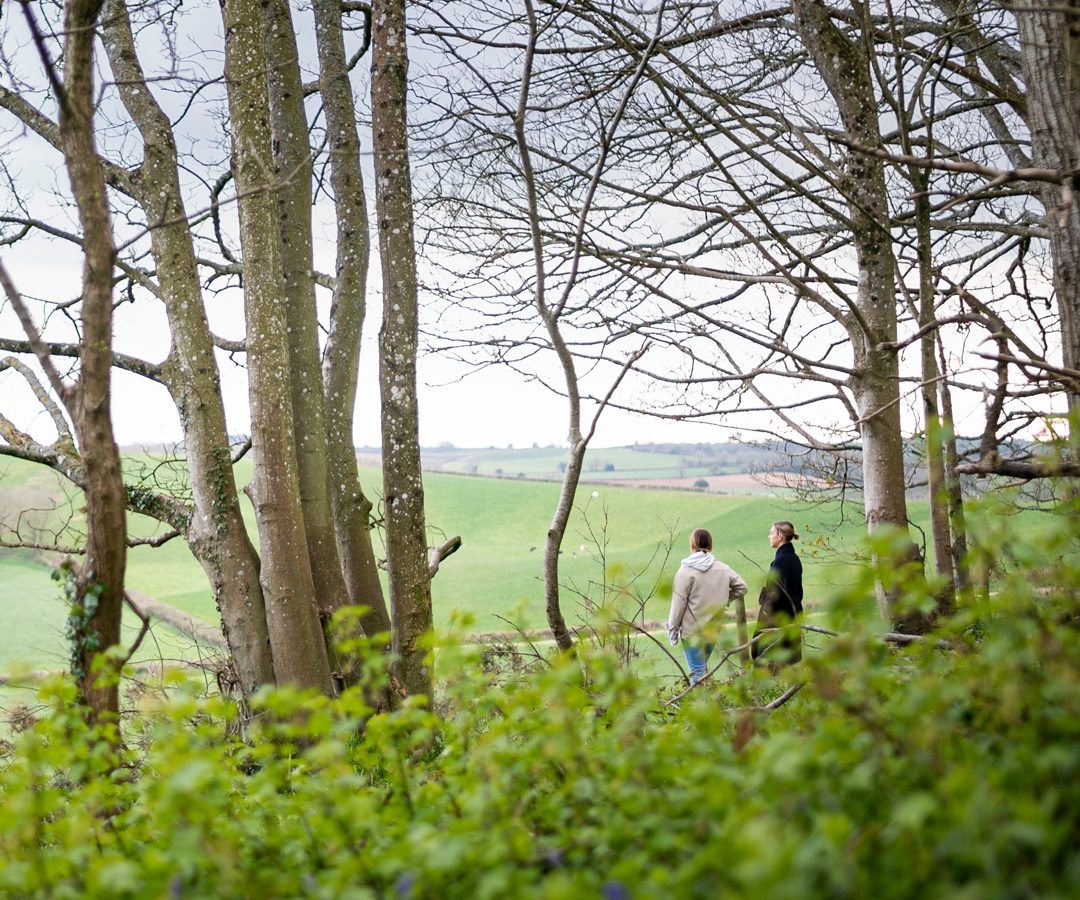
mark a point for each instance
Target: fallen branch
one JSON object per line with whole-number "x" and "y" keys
{"x": 25, "y": 679}
{"x": 774, "y": 704}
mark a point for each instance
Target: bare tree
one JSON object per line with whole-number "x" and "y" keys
{"x": 749, "y": 220}
{"x": 316, "y": 550}
{"x": 98, "y": 591}
{"x": 531, "y": 229}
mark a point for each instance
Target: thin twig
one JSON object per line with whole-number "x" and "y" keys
{"x": 521, "y": 633}
{"x": 41, "y": 351}
{"x": 142, "y": 632}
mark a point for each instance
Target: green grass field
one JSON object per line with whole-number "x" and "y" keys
{"x": 498, "y": 571}
{"x": 33, "y": 617}
{"x": 33, "y": 640}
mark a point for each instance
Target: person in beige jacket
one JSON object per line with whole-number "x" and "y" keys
{"x": 703, "y": 588}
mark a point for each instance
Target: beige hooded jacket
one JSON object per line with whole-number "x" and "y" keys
{"x": 703, "y": 587}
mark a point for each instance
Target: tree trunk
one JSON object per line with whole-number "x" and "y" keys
{"x": 217, "y": 534}
{"x": 292, "y": 617}
{"x": 940, "y": 518}
{"x": 958, "y": 548}
{"x": 550, "y": 317}
{"x": 99, "y": 590}
{"x": 1050, "y": 47}
{"x": 845, "y": 68}
{"x": 403, "y": 488}
{"x": 351, "y": 509}
{"x": 552, "y": 545}
{"x": 292, "y": 158}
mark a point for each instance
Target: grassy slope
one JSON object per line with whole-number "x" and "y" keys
{"x": 34, "y": 617}
{"x": 503, "y": 523}
{"x": 500, "y": 522}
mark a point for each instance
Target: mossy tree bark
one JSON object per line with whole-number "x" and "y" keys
{"x": 293, "y": 171}
{"x": 288, "y": 587}
{"x": 403, "y": 487}
{"x": 844, "y": 65}
{"x": 341, "y": 353}
{"x": 216, "y": 534}
{"x": 99, "y": 590}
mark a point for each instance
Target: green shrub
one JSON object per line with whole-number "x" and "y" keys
{"x": 946, "y": 769}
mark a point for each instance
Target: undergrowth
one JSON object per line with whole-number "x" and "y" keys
{"x": 950, "y": 767}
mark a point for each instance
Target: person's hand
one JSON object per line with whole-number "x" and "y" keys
{"x": 674, "y": 635}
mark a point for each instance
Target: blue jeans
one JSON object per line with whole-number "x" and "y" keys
{"x": 697, "y": 655}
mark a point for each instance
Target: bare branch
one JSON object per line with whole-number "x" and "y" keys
{"x": 55, "y": 413}
{"x": 229, "y": 346}
{"x": 241, "y": 451}
{"x": 145, "y": 619}
{"x": 41, "y": 351}
{"x": 1059, "y": 373}
{"x": 133, "y": 364}
{"x": 156, "y": 541}
{"x": 1025, "y": 471}
{"x": 438, "y": 554}
{"x": 775, "y": 704}
{"x": 39, "y": 545}
{"x": 61, "y": 455}
{"x": 626, "y": 367}
{"x": 46, "y": 128}
{"x": 996, "y": 177}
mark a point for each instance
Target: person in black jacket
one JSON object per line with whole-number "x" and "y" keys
{"x": 781, "y": 602}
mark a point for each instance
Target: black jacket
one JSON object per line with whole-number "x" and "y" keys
{"x": 781, "y": 602}
{"x": 786, "y": 569}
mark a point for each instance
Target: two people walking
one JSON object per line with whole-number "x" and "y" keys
{"x": 704, "y": 586}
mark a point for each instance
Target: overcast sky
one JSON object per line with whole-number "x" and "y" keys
{"x": 493, "y": 407}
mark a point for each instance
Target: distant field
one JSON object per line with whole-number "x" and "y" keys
{"x": 630, "y": 464}
{"x": 503, "y": 523}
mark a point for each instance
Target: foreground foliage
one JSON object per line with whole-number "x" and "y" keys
{"x": 935, "y": 770}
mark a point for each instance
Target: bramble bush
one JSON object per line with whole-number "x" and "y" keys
{"x": 950, "y": 768}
